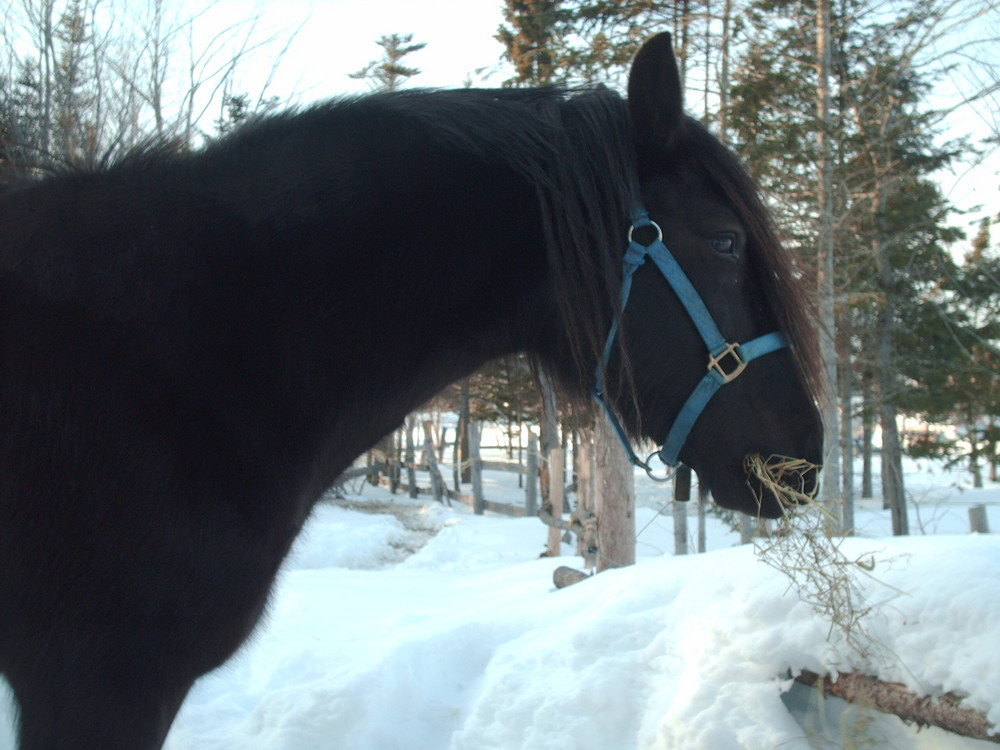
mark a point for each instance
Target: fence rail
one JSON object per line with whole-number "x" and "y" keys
{"x": 392, "y": 471}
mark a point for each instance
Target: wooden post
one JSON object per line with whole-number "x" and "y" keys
{"x": 476, "y": 467}
{"x": 556, "y": 461}
{"x": 411, "y": 458}
{"x": 465, "y": 437}
{"x": 456, "y": 463}
{"x": 614, "y": 499}
{"x": 586, "y": 543}
{"x": 430, "y": 458}
{"x": 978, "y": 522}
{"x": 392, "y": 459}
{"x": 531, "y": 485}
{"x": 682, "y": 494}
{"x": 702, "y": 505}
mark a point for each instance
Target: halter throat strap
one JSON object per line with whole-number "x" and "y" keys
{"x": 726, "y": 361}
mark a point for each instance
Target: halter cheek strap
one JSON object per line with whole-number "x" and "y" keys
{"x": 726, "y": 361}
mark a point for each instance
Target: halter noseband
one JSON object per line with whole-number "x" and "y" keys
{"x": 726, "y": 361}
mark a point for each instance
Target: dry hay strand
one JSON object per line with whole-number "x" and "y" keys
{"x": 784, "y": 477}
{"x": 806, "y": 550}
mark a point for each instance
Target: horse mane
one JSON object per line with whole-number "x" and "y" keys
{"x": 778, "y": 270}
{"x": 575, "y": 147}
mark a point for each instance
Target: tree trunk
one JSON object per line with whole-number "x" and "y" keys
{"x": 727, "y": 14}
{"x": 847, "y": 427}
{"x": 548, "y": 428}
{"x": 830, "y": 493}
{"x": 614, "y": 498}
{"x": 555, "y": 500}
{"x": 893, "y": 491}
{"x": 867, "y": 433}
{"x": 464, "y": 418}
{"x": 896, "y": 699}
{"x": 586, "y": 546}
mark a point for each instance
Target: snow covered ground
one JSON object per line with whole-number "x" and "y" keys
{"x": 433, "y": 628}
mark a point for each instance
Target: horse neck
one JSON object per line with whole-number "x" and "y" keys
{"x": 416, "y": 266}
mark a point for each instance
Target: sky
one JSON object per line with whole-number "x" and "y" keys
{"x": 332, "y": 38}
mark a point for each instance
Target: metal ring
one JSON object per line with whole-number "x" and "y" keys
{"x": 659, "y": 232}
{"x": 649, "y": 470}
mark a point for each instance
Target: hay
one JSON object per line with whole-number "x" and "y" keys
{"x": 806, "y": 547}
{"x": 785, "y": 478}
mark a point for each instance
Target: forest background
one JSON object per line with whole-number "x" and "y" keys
{"x": 853, "y": 115}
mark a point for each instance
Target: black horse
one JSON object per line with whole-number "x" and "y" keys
{"x": 194, "y": 346}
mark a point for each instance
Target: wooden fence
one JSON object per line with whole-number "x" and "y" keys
{"x": 391, "y": 472}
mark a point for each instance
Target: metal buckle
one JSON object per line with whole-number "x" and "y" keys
{"x": 715, "y": 363}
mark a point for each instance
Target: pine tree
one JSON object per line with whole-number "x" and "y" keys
{"x": 531, "y": 41}
{"x": 889, "y": 234}
{"x": 389, "y": 73}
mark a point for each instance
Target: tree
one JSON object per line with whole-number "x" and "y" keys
{"x": 82, "y": 79}
{"x": 961, "y": 326}
{"x": 860, "y": 153}
{"x": 389, "y": 73}
{"x": 531, "y": 41}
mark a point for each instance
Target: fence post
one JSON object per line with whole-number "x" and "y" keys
{"x": 531, "y": 484}
{"x": 702, "y": 502}
{"x": 978, "y": 522}
{"x": 682, "y": 495}
{"x": 556, "y": 462}
{"x": 392, "y": 459}
{"x": 411, "y": 459}
{"x": 478, "y": 501}
{"x": 614, "y": 499}
{"x": 430, "y": 458}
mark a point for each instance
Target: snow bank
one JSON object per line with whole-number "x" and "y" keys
{"x": 461, "y": 647}
{"x": 465, "y": 644}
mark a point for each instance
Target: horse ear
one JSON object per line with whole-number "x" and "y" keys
{"x": 655, "y": 99}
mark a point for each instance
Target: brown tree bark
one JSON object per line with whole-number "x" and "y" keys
{"x": 893, "y": 698}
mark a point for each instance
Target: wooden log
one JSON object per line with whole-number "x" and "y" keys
{"x": 546, "y": 517}
{"x": 978, "y": 522}
{"x": 516, "y": 511}
{"x": 370, "y": 470}
{"x": 511, "y": 467}
{"x": 893, "y": 698}
{"x": 564, "y": 576}
{"x": 556, "y": 459}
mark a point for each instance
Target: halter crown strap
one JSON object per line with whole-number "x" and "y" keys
{"x": 726, "y": 361}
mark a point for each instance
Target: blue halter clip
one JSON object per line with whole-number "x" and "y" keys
{"x": 726, "y": 361}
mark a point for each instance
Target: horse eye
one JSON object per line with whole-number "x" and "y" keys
{"x": 724, "y": 244}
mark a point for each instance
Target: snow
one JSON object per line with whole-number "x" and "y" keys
{"x": 430, "y": 627}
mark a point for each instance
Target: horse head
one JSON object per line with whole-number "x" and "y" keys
{"x": 752, "y": 366}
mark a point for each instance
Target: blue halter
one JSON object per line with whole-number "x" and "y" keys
{"x": 726, "y": 361}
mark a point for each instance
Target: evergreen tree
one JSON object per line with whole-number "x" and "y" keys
{"x": 962, "y": 329}
{"x": 532, "y": 40}
{"x": 890, "y": 237}
{"x": 389, "y": 73}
